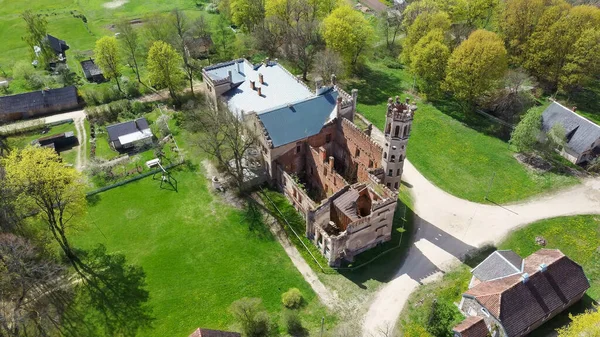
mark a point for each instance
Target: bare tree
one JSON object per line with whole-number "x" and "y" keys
{"x": 183, "y": 38}
{"x": 390, "y": 22}
{"x": 130, "y": 41}
{"x": 227, "y": 138}
{"x": 328, "y": 62}
{"x": 35, "y": 292}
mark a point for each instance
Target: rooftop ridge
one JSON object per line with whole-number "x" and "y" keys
{"x": 300, "y": 101}
{"x": 576, "y": 114}
{"x": 364, "y": 135}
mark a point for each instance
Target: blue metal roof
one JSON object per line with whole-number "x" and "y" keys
{"x": 299, "y": 120}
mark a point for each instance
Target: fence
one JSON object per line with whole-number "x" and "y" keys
{"x": 127, "y": 181}
{"x": 328, "y": 269}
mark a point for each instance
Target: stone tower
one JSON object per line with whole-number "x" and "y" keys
{"x": 398, "y": 122}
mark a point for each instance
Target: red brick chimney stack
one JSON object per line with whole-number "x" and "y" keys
{"x": 259, "y": 91}
{"x": 261, "y": 78}
{"x": 331, "y": 162}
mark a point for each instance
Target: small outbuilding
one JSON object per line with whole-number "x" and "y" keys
{"x": 127, "y": 135}
{"x": 58, "y": 142}
{"x": 59, "y": 47}
{"x": 92, "y": 72}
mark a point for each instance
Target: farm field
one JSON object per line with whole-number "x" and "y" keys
{"x": 451, "y": 154}
{"x": 198, "y": 253}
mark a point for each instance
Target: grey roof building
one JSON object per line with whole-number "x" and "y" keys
{"x": 91, "y": 71}
{"x": 126, "y": 135}
{"x": 35, "y": 103}
{"x": 500, "y": 263}
{"x": 582, "y": 135}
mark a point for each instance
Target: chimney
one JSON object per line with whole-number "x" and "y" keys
{"x": 543, "y": 267}
{"x": 252, "y": 85}
{"x": 267, "y": 60}
{"x": 238, "y": 67}
{"x": 339, "y": 107}
{"x": 323, "y": 154}
{"x": 259, "y": 91}
{"x": 524, "y": 277}
{"x": 369, "y": 130}
{"x": 333, "y": 79}
{"x": 229, "y": 74}
{"x": 331, "y": 161}
{"x": 318, "y": 84}
{"x": 261, "y": 78}
{"x": 574, "y": 109}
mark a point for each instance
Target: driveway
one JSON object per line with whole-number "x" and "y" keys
{"x": 448, "y": 227}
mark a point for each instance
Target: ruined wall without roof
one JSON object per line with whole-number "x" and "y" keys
{"x": 369, "y": 152}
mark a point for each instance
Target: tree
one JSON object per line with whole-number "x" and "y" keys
{"x": 582, "y": 325}
{"x": 583, "y": 63}
{"x": 518, "y": 21}
{"x": 158, "y": 27}
{"x": 251, "y": 316}
{"x": 347, "y": 32}
{"x": 513, "y": 99}
{"x": 226, "y": 137}
{"x": 65, "y": 76}
{"x": 390, "y": 23}
{"x": 108, "y": 58}
{"x": 223, "y": 37}
{"x": 429, "y": 60}
{"x": 442, "y": 318}
{"x": 183, "y": 35}
{"x": 549, "y": 47}
{"x": 129, "y": 39}
{"x": 422, "y": 25}
{"x": 35, "y": 292}
{"x": 247, "y": 14}
{"x": 292, "y": 298}
{"x": 476, "y": 65}
{"x": 36, "y": 26}
{"x": 528, "y": 132}
{"x": 327, "y": 63}
{"x": 164, "y": 67}
{"x": 22, "y": 70}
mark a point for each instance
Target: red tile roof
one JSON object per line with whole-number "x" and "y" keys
{"x": 472, "y": 326}
{"x": 519, "y": 305}
{"x": 213, "y": 333}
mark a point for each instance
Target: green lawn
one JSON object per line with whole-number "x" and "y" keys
{"x": 103, "y": 149}
{"x": 452, "y": 155}
{"x": 199, "y": 254}
{"x": 577, "y": 237}
{"x": 22, "y": 140}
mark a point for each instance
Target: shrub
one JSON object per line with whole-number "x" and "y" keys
{"x": 292, "y": 298}
{"x": 253, "y": 318}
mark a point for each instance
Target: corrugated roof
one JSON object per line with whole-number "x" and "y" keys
{"x": 90, "y": 68}
{"x": 37, "y": 100}
{"x": 498, "y": 264}
{"x": 116, "y": 131}
{"x": 299, "y": 120}
{"x": 519, "y": 305}
{"x": 581, "y": 133}
{"x": 279, "y": 87}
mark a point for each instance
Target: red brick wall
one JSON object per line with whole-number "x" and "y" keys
{"x": 320, "y": 173}
{"x": 370, "y": 153}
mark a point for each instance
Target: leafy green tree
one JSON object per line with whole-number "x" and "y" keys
{"x": 251, "y": 315}
{"x": 36, "y": 27}
{"x": 34, "y": 80}
{"x": 518, "y": 21}
{"x": 582, "y": 325}
{"x": 223, "y": 37}
{"x": 549, "y": 47}
{"x": 164, "y": 67}
{"x": 247, "y": 14}
{"x": 476, "y": 65}
{"x": 423, "y": 24}
{"x": 347, "y": 32}
{"x": 129, "y": 39}
{"x": 583, "y": 63}
{"x": 442, "y": 318}
{"x": 429, "y": 60}
{"x": 528, "y": 132}
{"x": 108, "y": 58}
{"x": 292, "y": 298}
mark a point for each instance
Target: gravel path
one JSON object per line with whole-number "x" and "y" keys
{"x": 448, "y": 227}
{"x": 81, "y": 160}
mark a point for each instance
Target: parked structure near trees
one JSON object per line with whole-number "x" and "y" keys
{"x": 343, "y": 182}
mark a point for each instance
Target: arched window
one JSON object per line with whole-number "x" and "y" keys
{"x": 392, "y": 158}
{"x": 400, "y": 159}
{"x": 385, "y": 155}
{"x": 397, "y": 131}
{"x": 388, "y": 129}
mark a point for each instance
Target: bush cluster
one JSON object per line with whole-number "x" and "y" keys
{"x": 112, "y": 112}
{"x": 292, "y": 298}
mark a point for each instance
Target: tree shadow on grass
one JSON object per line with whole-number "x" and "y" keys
{"x": 93, "y": 200}
{"x": 253, "y": 217}
{"x": 376, "y": 86}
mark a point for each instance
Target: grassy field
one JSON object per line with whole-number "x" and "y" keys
{"x": 63, "y": 24}
{"x": 448, "y": 152}
{"x": 103, "y": 149}
{"x": 22, "y": 140}
{"x": 577, "y": 237}
{"x": 199, "y": 254}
